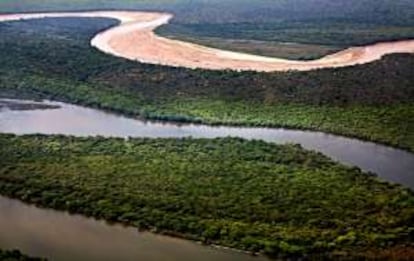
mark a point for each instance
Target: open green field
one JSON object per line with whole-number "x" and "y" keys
{"x": 279, "y": 200}
{"x": 52, "y": 59}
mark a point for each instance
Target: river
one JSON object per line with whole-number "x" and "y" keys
{"x": 60, "y": 236}
{"x": 391, "y": 164}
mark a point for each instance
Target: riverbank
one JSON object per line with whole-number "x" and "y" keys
{"x": 390, "y": 164}
{"x": 389, "y": 125}
{"x": 275, "y": 199}
{"x": 67, "y": 237}
{"x": 206, "y": 198}
{"x": 134, "y": 39}
{"x": 371, "y": 102}
{"x": 20, "y": 105}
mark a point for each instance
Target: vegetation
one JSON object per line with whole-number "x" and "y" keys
{"x": 380, "y": 12}
{"x": 294, "y": 51}
{"x": 310, "y": 39}
{"x": 277, "y": 199}
{"x": 327, "y": 25}
{"x": 16, "y": 255}
{"x": 51, "y": 58}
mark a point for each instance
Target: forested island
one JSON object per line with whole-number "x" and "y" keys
{"x": 279, "y": 200}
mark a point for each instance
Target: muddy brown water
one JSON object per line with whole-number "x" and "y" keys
{"x": 60, "y": 236}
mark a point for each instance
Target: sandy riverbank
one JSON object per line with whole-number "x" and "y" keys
{"x": 134, "y": 39}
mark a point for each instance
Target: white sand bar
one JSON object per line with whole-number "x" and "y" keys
{"x": 134, "y": 38}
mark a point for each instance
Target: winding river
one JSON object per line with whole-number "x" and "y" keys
{"x": 134, "y": 39}
{"x": 391, "y": 164}
{"x": 61, "y": 236}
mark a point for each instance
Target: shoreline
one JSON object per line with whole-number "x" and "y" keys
{"x": 134, "y": 39}
{"x": 42, "y": 202}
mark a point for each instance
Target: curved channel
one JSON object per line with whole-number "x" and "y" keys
{"x": 390, "y": 164}
{"x": 134, "y": 39}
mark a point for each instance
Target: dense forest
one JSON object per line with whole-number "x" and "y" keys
{"x": 280, "y": 200}
{"x": 16, "y": 255}
{"x": 277, "y": 200}
{"x": 51, "y": 58}
{"x": 389, "y": 12}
